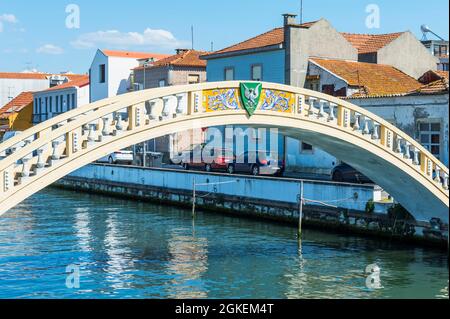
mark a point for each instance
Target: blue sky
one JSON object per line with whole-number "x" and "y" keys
{"x": 33, "y": 34}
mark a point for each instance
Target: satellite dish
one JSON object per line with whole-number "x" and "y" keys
{"x": 425, "y": 28}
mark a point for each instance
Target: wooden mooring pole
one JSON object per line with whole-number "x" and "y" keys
{"x": 193, "y": 198}
{"x": 300, "y": 214}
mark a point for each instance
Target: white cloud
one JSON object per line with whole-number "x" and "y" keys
{"x": 150, "y": 38}
{"x": 7, "y": 18}
{"x": 50, "y": 49}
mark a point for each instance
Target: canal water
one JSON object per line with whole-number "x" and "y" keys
{"x": 118, "y": 248}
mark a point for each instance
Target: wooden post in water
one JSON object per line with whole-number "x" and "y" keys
{"x": 193, "y": 198}
{"x": 300, "y": 215}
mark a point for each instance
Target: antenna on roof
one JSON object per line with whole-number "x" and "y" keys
{"x": 301, "y": 11}
{"x": 425, "y": 30}
{"x": 192, "y": 36}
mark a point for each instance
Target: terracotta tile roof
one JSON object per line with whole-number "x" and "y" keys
{"x": 36, "y": 76}
{"x": 443, "y": 74}
{"x": 134, "y": 55}
{"x": 17, "y": 104}
{"x": 372, "y": 79}
{"x": 433, "y": 75}
{"x": 370, "y": 43}
{"x": 270, "y": 38}
{"x": 189, "y": 58}
{"x": 437, "y": 87}
{"x": 23, "y": 76}
{"x": 77, "y": 82}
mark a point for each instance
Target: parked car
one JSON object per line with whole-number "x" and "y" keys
{"x": 119, "y": 157}
{"x": 220, "y": 161}
{"x": 346, "y": 173}
{"x": 192, "y": 158}
{"x": 256, "y": 163}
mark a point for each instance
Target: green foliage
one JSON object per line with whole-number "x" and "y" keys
{"x": 370, "y": 207}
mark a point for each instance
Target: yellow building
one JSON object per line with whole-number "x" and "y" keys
{"x": 17, "y": 115}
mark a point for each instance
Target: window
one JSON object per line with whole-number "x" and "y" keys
{"x": 229, "y": 74}
{"x": 430, "y": 137}
{"x": 162, "y": 83}
{"x": 46, "y": 105}
{"x": 257, "y": 72}
{"x": 193, "y": 78}
{"x": 440, "y": 50}
{"x": 51, "y": 104}
{"x": 68, "y": 102}
{"x": 102, "y": 73}
{"x": 57, "y": 104}
{"x": 328, "y": 89}
{"x": 61, "y": 102}
{"x": 306, "y": 148}
{"x": 73, "y": 100}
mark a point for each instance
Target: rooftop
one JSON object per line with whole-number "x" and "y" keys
{"x": 432, "y": 76}
{"x": 17, "y": 104}
{"x": 370, "y": 43}
{"x": 267, "y": 39}
{"x": 374, "y": 80}
{"x": 35, "y": 76}
{"x": 437, "y": 87}
{"x": 77, "y": 82}
{"x": 186, "y": 58}
{"x": 134, "y": 55}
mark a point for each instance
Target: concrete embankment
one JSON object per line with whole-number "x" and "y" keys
{"x": 346, "y": 205}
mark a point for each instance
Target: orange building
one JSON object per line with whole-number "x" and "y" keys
{"x": 17, "y": 115}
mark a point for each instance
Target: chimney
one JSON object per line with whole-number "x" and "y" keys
{"x": 181, "y": 51}
{"x": 289, "y": 19}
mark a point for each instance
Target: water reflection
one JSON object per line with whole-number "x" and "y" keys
{"x": 140, "y": 250}
{"x": 187, "y": 263}
{"x": 119, "y": 260}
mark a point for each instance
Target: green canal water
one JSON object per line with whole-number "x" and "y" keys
{"x": 126, "y": 249}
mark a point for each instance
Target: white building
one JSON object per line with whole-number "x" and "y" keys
{"x": 59, "y": 99}
{"x": 12, "y": 84}
{"x": 111, "y": 72}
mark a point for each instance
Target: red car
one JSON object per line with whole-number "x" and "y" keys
{"x": 221, "y": 161}
{"x": 218, "y": 162}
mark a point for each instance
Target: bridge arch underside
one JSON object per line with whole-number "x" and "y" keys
{"x": 413, "y": 190}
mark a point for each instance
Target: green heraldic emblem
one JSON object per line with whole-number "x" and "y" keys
{"x": 250, "y": 95}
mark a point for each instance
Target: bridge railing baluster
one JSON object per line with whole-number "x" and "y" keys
{"x": 331, "y": 112}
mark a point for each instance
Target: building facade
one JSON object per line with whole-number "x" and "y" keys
{"x": 184, "y": 67}
{"x": 111, "y": 72}
{"x": 439, "y": 48}
{"x": 17, "y": 115}
{"x": 59, "y": 99}
{"x": 12, "y": 84}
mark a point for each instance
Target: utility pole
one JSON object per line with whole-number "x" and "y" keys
{"x": 300, "y": 215}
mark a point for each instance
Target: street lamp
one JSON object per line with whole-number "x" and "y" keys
{"x": 145, "y": 65}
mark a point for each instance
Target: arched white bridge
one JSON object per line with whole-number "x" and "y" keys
{"x": 53, "y": 149}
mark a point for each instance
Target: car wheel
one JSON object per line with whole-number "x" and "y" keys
{"x": 110, "y": 160}
{"x": 255, "y": 170}
{"x": 230, "y": 169}
{"x": 337, "y": 177}
{"x": 208, "y": 168}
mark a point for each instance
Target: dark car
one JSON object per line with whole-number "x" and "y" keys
{"x": 255, "y": 163}
{"x": 346, "y": 173}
